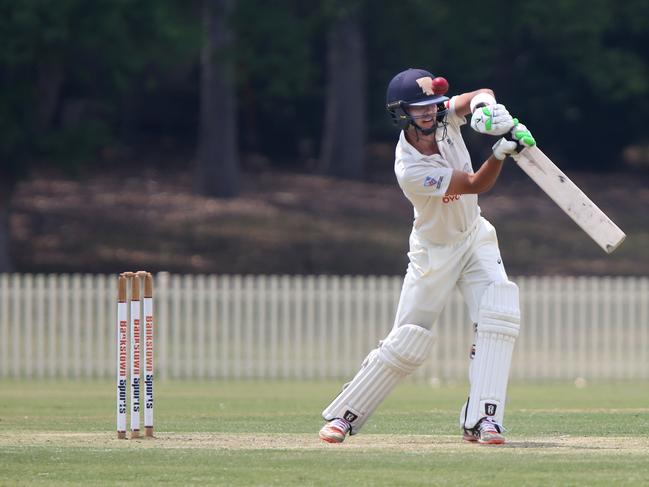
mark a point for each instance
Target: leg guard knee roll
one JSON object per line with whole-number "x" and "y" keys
{"x": 497, "y": 329}
{"x": 404, "y": 349}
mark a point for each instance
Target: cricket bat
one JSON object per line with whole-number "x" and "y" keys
{"x": 570, "y": 198}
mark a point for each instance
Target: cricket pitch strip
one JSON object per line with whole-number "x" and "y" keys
{"x": 362, "y": 443}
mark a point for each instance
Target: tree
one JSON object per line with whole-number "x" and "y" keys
{"x": 218, "y": 166}
{"x": 65, "y": 69}
{"x": 343, "y": 141}
{"x": 279, "y": 78}
{"x": 6, "y": 191}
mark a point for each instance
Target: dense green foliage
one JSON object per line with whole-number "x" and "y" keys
{"x": 69, "y": 69}
{"x": 77, "y": 76}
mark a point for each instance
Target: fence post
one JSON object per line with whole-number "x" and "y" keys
{"x": 316, "y": 327}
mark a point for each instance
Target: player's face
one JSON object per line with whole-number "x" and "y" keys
{"x": 424, "y": 116}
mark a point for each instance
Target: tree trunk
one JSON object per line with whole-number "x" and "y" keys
{"x": 218, "y": 166}
{"x": 344, "y": 128}
{"x": 6, "y": 190}
{"x": 50, "y": 84}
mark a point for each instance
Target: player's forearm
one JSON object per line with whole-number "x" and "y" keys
{"x": 485, "y": 177}
{"x": 483, "y": 180}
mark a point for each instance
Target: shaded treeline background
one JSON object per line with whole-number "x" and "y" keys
{"x": 223, "y": 90}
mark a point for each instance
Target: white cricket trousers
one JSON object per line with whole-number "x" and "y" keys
{"x": 471, "y": 264}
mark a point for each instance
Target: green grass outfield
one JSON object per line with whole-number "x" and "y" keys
{"x": 265, "y": 433}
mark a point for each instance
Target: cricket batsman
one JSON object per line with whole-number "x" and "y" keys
{"x": 451, "y": 245}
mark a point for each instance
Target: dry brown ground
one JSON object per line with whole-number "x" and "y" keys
{"x": 298, "y": 224}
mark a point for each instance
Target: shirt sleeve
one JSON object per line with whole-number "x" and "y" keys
{"x": 424, "y": 180}
{"x": 452, "y": 116}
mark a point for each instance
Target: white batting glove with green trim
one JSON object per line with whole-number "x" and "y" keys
{"x": 521, "y": 133}
{"x": 504, "y": 148}
{"x": 492, "y": 120}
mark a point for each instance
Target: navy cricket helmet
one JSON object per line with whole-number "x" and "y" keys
{"x": 412, "y": 87}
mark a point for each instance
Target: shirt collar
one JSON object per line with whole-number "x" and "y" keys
{"x": 410, "y": 149}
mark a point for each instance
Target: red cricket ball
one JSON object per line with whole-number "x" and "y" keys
{"x": 440, "y": 86}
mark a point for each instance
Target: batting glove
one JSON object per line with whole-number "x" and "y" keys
{"x": 504, "y": 148}
{"x": 492, "y": 120}
{"x": 522, "y": 135}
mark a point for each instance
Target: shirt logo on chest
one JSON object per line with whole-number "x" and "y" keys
{"x": 449, "y": 198}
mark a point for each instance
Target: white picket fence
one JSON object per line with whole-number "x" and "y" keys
{"x": 313, "y": 327}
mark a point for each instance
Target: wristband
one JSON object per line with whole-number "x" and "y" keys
{"x": 482, "y": 99}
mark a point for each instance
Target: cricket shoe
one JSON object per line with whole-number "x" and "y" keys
{"x": 335, "y": 431}
{"x": 470, "y": 435}
{"x": 486, "y": 432}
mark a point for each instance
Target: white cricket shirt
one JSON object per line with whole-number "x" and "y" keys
{"x": 439, "y": 218}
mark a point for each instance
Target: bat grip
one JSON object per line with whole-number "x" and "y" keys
{"x": 519, "y": 147}
{"x": 508, "y": 136}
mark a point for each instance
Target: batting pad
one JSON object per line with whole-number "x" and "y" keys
{"x": 498, "y": 324}
{"x": 404, "y": 349}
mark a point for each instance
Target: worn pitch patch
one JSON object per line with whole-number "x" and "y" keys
{"x": 360, "y": 443}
